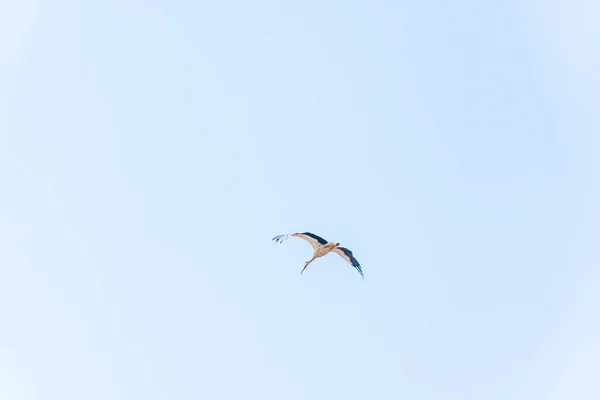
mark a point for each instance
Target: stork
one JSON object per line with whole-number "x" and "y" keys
{"x": 321, "y": 248}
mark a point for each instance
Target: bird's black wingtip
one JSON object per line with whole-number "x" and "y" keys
{"x": 359, "y": 269}
{"x": 279, "y": 238}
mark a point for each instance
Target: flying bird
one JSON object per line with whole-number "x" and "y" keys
{"x": 322, "y": 247}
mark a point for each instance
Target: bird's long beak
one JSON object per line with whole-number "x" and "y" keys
{"x": 304, "y": 268}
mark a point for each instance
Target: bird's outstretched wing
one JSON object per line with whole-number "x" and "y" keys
{"x": 349, "y": 257}
{"x": 314, "y": 240}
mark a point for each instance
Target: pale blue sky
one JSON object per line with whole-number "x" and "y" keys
{"x": 149, "y": 151}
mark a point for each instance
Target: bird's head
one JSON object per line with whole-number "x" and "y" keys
{"x": 337, "y": 244}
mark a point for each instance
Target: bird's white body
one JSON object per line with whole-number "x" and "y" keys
{"x": 324, "y": 249}
{"x": 321, "y": 251}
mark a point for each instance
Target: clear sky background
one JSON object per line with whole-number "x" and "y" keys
{"x": 150, "y": 150}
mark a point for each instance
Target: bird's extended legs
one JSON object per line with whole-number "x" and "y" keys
{"x": 306, "y": 264}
